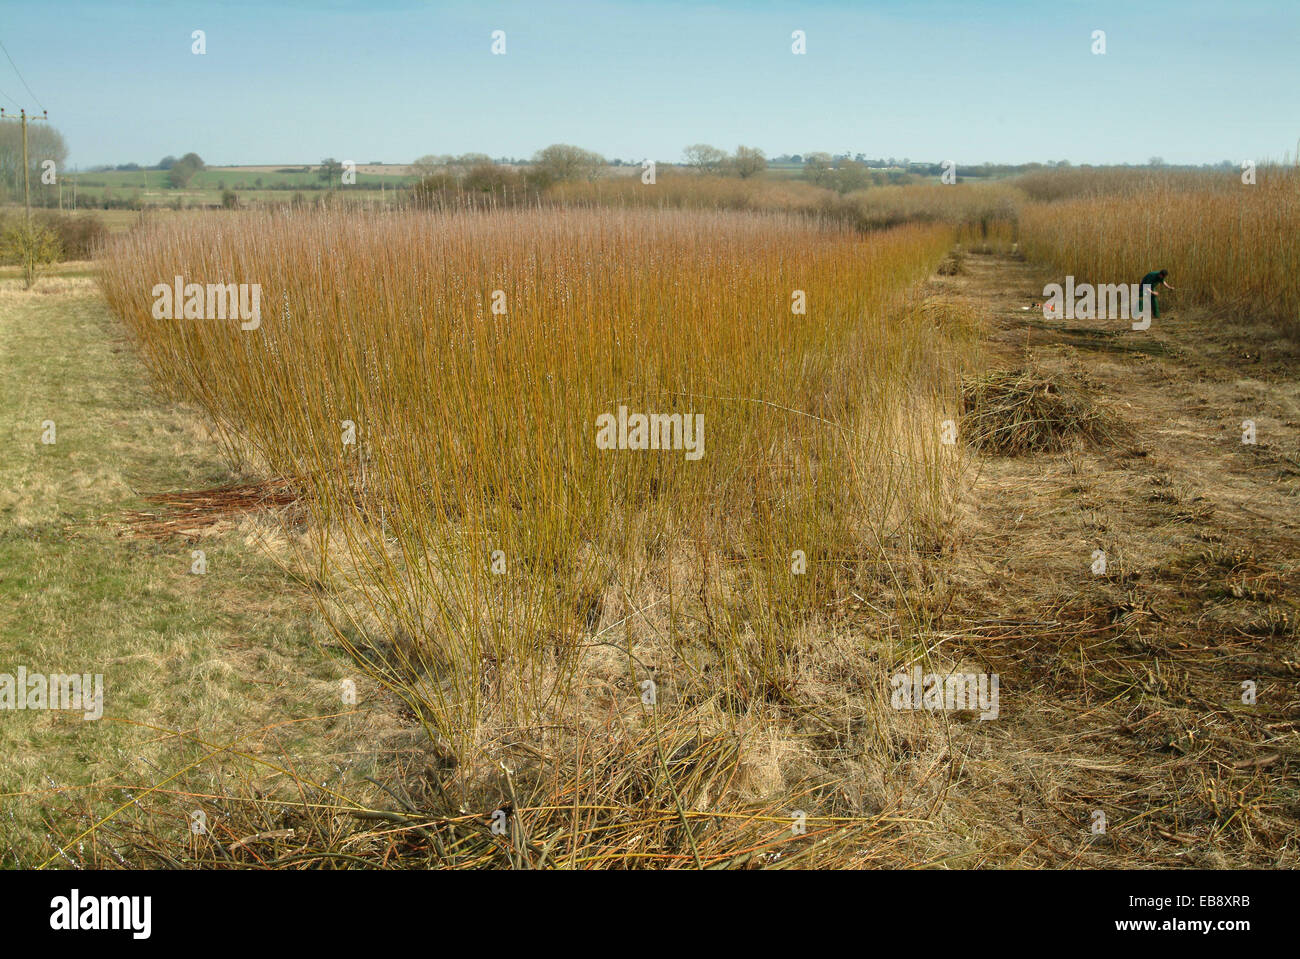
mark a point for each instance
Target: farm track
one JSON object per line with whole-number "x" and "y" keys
{"x": 1123, "y": 692}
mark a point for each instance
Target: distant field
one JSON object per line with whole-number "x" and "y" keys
{"x": 268, "y": 176}
{"x": 235, "y": 178}
{"x": 272, "y": 183}
{"x": 254, "y": 184}
{"x": 369, "y": 169}
{"x": 117, "y": 221}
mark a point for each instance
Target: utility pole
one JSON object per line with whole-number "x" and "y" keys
{"x": 29, "y": 243}
{"x": 23, "y": 118}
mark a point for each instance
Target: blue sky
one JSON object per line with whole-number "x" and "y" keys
{"x": 1002, "y": 80}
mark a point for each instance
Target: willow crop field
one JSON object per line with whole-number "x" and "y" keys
{"x": 421, "y": 454}
{"x": 530, "y": 445}
{"x": 1240, "y": 236}
{"x": 617, "y": 523}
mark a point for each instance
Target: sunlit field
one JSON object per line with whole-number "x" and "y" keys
{"x": 615, "y": 436}
{"x": 625, "y": 508}
{"x": 432, "y": 384}
{"x": 633, "y": 497}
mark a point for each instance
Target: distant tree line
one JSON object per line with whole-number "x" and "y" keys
{"x": 473, "y": 178}
{"x": 477, "y": 177}
{"x": 744, "y": 163}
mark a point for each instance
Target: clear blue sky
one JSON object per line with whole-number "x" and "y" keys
{"x": 1001, "y": 80}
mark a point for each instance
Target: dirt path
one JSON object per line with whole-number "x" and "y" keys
{"x": 1123, "y": 692}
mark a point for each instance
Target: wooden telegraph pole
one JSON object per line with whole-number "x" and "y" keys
{"x": 28, "y": 243}
{"x": 23, "y": 118}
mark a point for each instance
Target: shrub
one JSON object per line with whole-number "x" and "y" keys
{"x": 563, "y": 162}
{"x": 483, "y": 185}
{"x": 33, "y": 245}
{"x": 78, "y": 235}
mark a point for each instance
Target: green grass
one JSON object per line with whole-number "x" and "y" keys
{"x": 216, "y": 656}
{"x": 66, "y": 268}
{"x": 235, "y": 178}
{"x": 210, "y": 180}
{"x": 252, "y": 186}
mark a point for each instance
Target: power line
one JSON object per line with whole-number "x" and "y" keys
{"x": 11, "y": 99}
{"x": 20, "y": 76}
